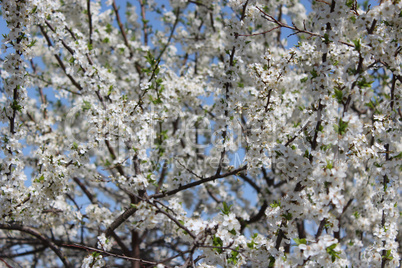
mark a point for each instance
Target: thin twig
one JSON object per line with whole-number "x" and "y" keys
{"x": 108, "y": 253}
{"x": 122, "y": 31}
{"x": 199, "y": 182}
{"x": 89, "y": 20}
{"x": 144, "y": 22}
{"x": 295, "y": 28}
{"x": 41, "y": 237}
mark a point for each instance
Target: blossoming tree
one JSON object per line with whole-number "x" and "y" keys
{"x": 189, "y": 133}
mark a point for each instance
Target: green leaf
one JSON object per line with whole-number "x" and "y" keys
{"x": 150, "y": 58}
{"x": 377, "y": 164}
{"x": 365, "y": 5}
{"x": 306, "y": 154}
{"x": 226, "y": 208}
{"x": 320, "y": 128}
{"x": 33, "y": 42}
{"x": 363, "y": 83}
{"x": 388, "y": 255}
{"x": 356, "y": 214}
{"x": 326, "y": 38}
{"x": 75, "y": 146}
{"x": 15, "y": 106}
{"x": 334, "y": 254}
{"x": 330, "y": 164}
{"x": 304, "y": 79}
{"x": 233, "y": 257}
{"x": 338, "y": 95}
{"x": 95, "y": 254}
{"x": 370, "y": 104}
{"x": 86, "y": 106}
{"x": 300, "y": 241}
{"x": 34, "y": 9}
{"x": 40, "y": 179}
{"x": 357, "y": 44}
{"x": 271, "y": 262}
{"x": 398, "y": 156}
{"x": 218, "y": 243}
{"x": 350, "y": 3}
{"x": 155, "y": 101}
{"x": 288, "y": 216}
{"x": 251, "y": 244}
{"x": 314, "y": 73}
{"x": 275, "y": 204}
{"x": 326, "y": 147}
{"x": 109, "y": 28}
{"x": 341, "y": 128}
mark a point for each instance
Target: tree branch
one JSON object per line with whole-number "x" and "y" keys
{"x": 196, "y": 183}
{"x": 41, "y": 237}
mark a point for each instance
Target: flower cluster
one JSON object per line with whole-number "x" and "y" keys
{"x": 201, "y": 133}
